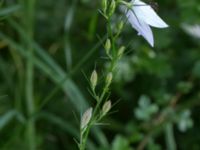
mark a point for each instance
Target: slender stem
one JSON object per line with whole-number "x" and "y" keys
{"x": 29, "y": 25}
{"x": 84, "y": 138}
{"x": 20, "y": 82}
{"x": 109, "y": 30}
{"x": 170, "y": 141}
{"x": 95, "y": 118}
{"x": 84, "y": 135}
{"x": 81, "y": 145}
{"x": 100, "y": 100}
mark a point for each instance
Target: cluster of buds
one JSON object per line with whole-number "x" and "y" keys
{"x": 87, "y": 115}
{"x": 108, "y": 8}
{"x": 108, "y": 46}
{"x": 94, "y": 79}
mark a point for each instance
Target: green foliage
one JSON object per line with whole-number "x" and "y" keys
{"x": 120, "y": 143}
{"x": 184, "y": 121}
{"x": 146, "y": 110}
{"x": 46, "y": 48}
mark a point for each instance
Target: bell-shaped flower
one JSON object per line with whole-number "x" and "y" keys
{"x": 142, "y": 16}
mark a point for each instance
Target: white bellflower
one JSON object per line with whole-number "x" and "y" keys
{"x": 142, "y": 16}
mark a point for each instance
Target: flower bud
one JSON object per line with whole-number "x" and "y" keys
{"x": 109, "y": 79}
{"x": 112, "y": 7}
{"x": 94, "y": 79}
{"x": 108, "y": 46}
{"x": 121, "y": 51}
{"x": 86, "y": 118}
{"x": 106, "y": 107}
{"x": 104, "y": 4}
{"x": 120, "y": 26}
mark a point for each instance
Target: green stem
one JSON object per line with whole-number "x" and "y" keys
{"x": 110, "y": 33}
{"x": 28, "y": 17}
{"x": 170, "y": 141}
{"x": 84, "y": 134}
{"x": 81, "y": 145}
{"x": 100, "y": 100}
{"x": 84, "y": 138}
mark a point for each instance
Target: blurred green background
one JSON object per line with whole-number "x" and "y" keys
{"x": 47, "y": 47}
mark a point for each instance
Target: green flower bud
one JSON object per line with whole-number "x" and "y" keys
{"x": 108, "y": 46}
{"x": 106, "y": 107}
{"x": 104, "y": 4}
{"x": 112, "y": 7}
{"x": 86, "y": 118}
{"x": 120, "y": 26}
{"x": 94, "y": 79}
{"x": 121, "y": 51}
{"x": 109, "y": 79}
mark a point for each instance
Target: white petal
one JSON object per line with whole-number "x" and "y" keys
{"x": 142, "y": 28}
{"x": 193, "y": 30}
{"x": 144, "y": 12}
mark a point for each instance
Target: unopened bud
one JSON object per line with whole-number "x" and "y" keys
{"x": 104, "y": 4}
{"x": 106, "y": 107}
{"x": 120, "y": 26}
{"x": 121, "y": 51}
{"x": 86, "y": 118}
{"x": 112, "y": 7}
{"x": 108, "y": 46}
{"x": 109, "y": 79}
{"x": 94, "y": 79}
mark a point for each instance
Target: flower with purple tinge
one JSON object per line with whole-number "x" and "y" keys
{"x": 142, "y": 16}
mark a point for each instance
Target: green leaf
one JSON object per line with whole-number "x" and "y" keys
{"x": 196, "y": 69}
{"x": 9, "y": 10}
{"x": 120, "y": 143}
{"x": 184, "y": 120}
{"x": 145, "y": 109}
{"x": 8, "y": 117}
{"x": 67, "y": 85}
{"x": 184, "y": 87}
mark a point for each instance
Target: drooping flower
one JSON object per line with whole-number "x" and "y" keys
{"x": 142, "y": 16}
